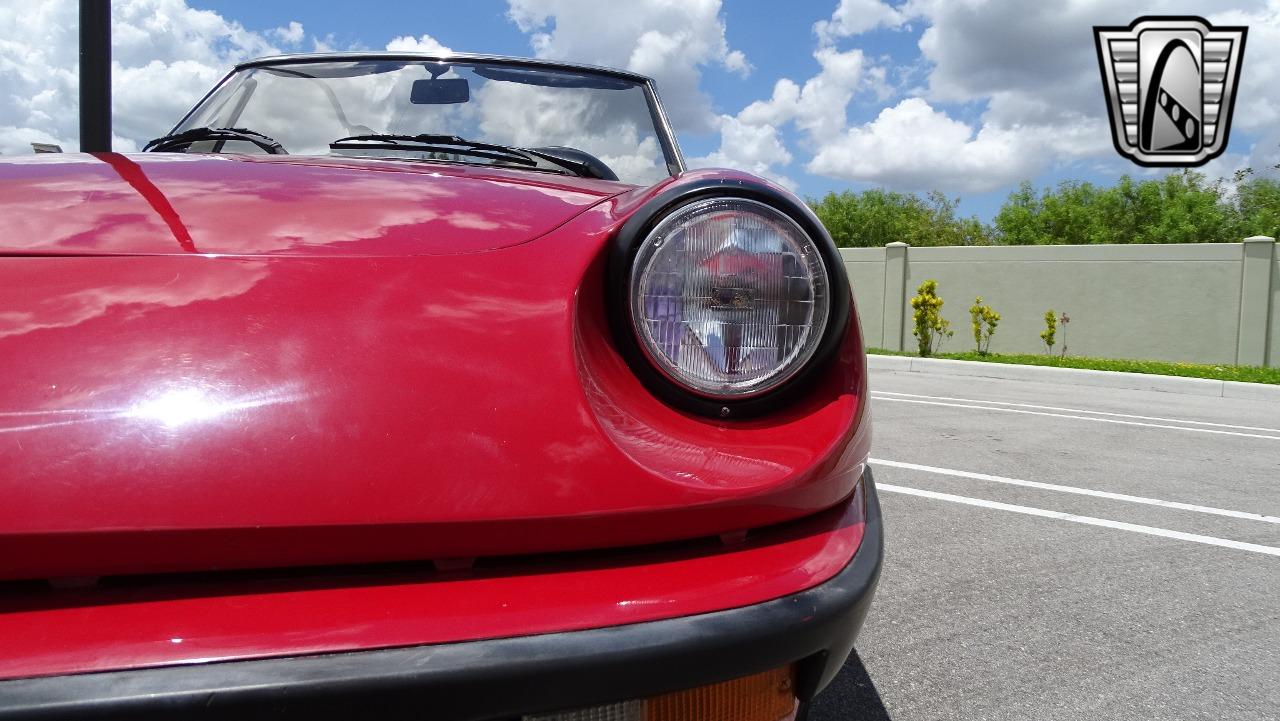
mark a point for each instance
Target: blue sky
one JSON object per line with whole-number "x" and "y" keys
{"x": 969, "y": 98}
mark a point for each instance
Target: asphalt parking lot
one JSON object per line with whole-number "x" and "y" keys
{"x": 1090, "y": 597}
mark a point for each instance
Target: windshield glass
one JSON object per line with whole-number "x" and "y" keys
{"x": 305, "y": 106}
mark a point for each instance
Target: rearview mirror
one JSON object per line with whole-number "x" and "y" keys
{"x": 445, "y": 91}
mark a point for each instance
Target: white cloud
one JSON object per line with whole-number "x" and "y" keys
{"x": 912, "y": 145}
{"x": 290, "y": 35}
{"x": 755, "y": 148}
{"x": 1264, "y": 156}
{"x": 854, "y": 17}
{"x": 326, "y": 44}
{"x": 1032, "y": 69}
{"x": 1258, "y": 98}
{"x": 1036, "y": 81}
{"x": 18, "y": 140}
{"x": 819, "y": 106}
{"x": 669, "y": 41}
{"x": 751, "y": 140}
{"x": 424, "y": 44}
{"x": 165, "y": 56}
{"x": 1225, "y": 167}
{"x": 1045, "y": 49}
{"x": 736, "y": 61}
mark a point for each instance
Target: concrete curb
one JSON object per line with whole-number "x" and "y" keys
{"x": 1077, "y": 376}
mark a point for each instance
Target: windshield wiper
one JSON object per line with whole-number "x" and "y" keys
{"x": 567, "y": 158}
{"x": 431, "y": 143}
{"x": 195, "y": 135}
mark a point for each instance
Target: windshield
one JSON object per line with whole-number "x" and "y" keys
{"x": 306, "y": 106}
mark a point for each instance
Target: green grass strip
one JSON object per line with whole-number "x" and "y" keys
{"x": 1246, "y": 374}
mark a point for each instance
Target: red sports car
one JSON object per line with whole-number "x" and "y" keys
{"x": 393, "y": 385}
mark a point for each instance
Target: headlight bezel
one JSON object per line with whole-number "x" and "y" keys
{"x": 622, "y": 259}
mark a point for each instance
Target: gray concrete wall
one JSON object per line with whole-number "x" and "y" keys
{"x": 865, "y": 267}
{"x": 1273, "y": 359}
{"x": 1192, "y": 303}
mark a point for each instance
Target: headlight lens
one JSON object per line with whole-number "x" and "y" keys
{"x": 730, "y": 297}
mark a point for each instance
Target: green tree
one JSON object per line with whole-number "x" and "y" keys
{"x": 1180, "y": 207}
{"x": 1258, "y": 205}
{"x": 874, "y": 218}
{"x": 1192, "y": 211}
{"x": 1017, "y": 221}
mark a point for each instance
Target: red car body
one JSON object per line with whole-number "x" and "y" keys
{"x": 271, "y": 407}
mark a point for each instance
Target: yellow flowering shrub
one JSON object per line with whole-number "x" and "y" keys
{"x": 926, "y": 311}
{"x": 984, "y": 320}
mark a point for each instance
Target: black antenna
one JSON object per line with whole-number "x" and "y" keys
{"x": 95, "y": 76}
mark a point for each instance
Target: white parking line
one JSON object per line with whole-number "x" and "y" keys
{"x": 1087, "y": 520}
{"x": 1081, "y": 418}
{"x": 1080, "y": 491}
{"x": 1078, "y": 410}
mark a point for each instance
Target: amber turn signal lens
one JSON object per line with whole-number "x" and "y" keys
{"x": 768, "y": 696}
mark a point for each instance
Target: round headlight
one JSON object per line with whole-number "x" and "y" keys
{"x": 729, "y": 297}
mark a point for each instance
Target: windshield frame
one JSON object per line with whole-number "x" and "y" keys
{"x": 662, "y": 127}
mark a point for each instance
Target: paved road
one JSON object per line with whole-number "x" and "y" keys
{"x": 1102, "y": 608}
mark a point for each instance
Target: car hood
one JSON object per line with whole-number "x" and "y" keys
{"x": 315, "y": 402}
{"x": 162, "y": 203}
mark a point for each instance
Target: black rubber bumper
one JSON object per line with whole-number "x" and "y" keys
{"x": 495, "y": 679}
